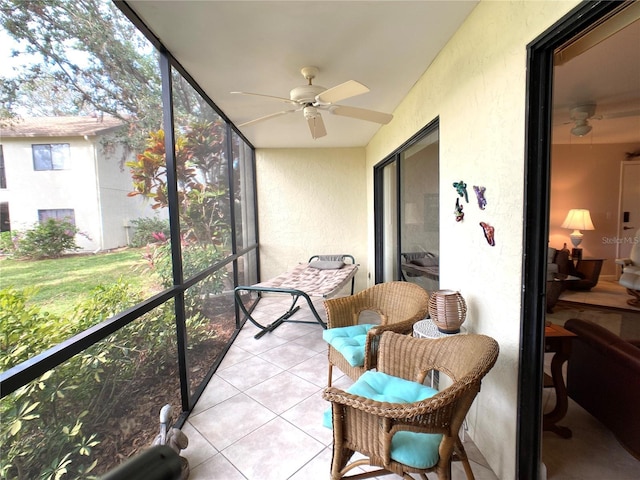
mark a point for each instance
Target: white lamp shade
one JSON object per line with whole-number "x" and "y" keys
{"x": 578, "y": 219}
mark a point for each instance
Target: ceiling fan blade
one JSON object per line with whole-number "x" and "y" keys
{"x": 347, "y": 89}
{"x": 271, "y": 97}
{"x": 605, "y": 116}
{"x": 266, "y": 117}
{"x": 362, "y": 114}
{"x": 316, "y": 126}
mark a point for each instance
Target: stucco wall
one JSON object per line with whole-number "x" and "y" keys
{"x": 95, "y": 186}
{"x": 477, "y": 87}
{"x": 311, "y": 201}
{"x": 29, "y": 190}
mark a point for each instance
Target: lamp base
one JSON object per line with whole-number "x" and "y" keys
{"x": 576, "y": 253}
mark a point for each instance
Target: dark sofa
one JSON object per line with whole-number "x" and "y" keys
{"x": 603, "y": 377}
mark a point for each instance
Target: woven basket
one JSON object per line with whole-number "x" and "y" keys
{"x": 448, "y": 310}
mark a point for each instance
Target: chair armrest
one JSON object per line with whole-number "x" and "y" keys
{"x": 380, "y": 409}
{"x": 623, "y": 261}
{"x": 432, "y": 415}
{"x": 341, "y": 312}
{"x": 635, "y": 343}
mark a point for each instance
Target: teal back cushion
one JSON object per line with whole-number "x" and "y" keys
{"x": 349, "y": 341}
{"x": 419, "y": 450}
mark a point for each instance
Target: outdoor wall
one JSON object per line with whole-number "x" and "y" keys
{"x": 116, "y": 209}
{"x": 95, "y": 186}
{"x": 311, "y": 201}
{"x": 477, "y": 87}
{"x": 29, "y": 190}
{"x": 588, "y": 176}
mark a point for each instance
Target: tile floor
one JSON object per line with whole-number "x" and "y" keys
{"x": 260, "y": 417}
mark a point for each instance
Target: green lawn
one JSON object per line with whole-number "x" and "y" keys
{"x": 62, "y": 283}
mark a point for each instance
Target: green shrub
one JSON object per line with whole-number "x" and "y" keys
{"x": 26, "y": 331}
{"x": 7, "y": 245}
{"x": 195, "y": 258}
{"x": 49, "y": 239}
{"x": 149, "y": 230}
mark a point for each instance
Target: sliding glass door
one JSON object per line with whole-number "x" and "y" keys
{"x": 407, "y": 213}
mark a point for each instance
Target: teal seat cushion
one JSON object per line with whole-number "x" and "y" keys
{"x": 349, "y": 341}
{"x": 419, "y": 450}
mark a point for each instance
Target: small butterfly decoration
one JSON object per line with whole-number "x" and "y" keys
{"x": 482, "y": 202}
{"x": 461, "y": 188}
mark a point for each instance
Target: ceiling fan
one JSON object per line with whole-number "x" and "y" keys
{"x": 581, "y": 115}
{"x": 310, "y": 99}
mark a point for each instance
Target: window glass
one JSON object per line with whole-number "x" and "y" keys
{"x": 390, "y": 222}
{"x": 419, "y": 215}
{"x": 407, "y": 213}
{"x": 51, "y": 157}
{"x": 61, "y": 214}
{"x": 3, "y": 178}
{"x": 243, "y": 189}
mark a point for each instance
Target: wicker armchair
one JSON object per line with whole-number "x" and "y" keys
{"x": 367, "y": 426}
{"x": 399, "y": 304}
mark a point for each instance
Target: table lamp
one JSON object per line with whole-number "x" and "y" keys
{"x": 577, "y": 219}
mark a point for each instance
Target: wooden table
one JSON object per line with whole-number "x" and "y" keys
{"x": 557, "y": 340}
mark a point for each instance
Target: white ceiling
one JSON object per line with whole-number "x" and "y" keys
{"x": 260, "y": 47}
{"x": 607, "y": 75}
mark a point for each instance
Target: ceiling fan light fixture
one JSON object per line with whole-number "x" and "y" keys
{"x": 581, "y": 129}
{"x": 310, "y": 112}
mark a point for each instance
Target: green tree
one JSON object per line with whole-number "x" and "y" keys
{"x": 82, "y": 57}
{"x": 203, "y": 192}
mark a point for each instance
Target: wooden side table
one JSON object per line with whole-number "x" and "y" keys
{"x": 557, "y": 340}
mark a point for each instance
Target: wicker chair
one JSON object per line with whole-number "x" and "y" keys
{"x": 399, "y": 304}
{"x": 367, "y": 426}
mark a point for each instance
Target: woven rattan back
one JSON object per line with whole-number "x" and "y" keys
{"x": 462, "y": 357}
{"x": 393, "y": 301}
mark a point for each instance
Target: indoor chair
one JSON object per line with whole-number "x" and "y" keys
{"x": 353, "y": 346}
{"x": 420, "y": 436}
{"x": 630, "y": 278}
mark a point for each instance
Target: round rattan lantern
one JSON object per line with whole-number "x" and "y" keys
{"x": 447, "y": 310}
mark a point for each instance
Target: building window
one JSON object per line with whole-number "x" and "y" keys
{"x": 5, "y": 221}
{"x": 66, "y": 214}
{"x": 54, "y": 156}
{"x": 3, "y": 177}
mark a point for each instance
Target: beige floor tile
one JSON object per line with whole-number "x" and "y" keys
{"x": 307, "y": 416}
{"x": 199, "y": 449}
{"x": 287, "y": 355}
{"x": 257, "y": 346}
{"x": 282, "y": 391}
{"x": 250, "y": 372}
{"x": 316, "y": 468}
{"x": 231, "y": 420}
{"x": 218, "y": 390}
{"x": 288, "y": 450}
{"x": 234, "y": 355}
{"x": 313, "y": 341}
{"x": 216, "y": 468}
{"x": 315, "y": 370}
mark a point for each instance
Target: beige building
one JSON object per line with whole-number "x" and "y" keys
{"x": 60, "y": 167}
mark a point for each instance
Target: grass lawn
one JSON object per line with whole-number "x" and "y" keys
{"x": 62, "y": 283}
